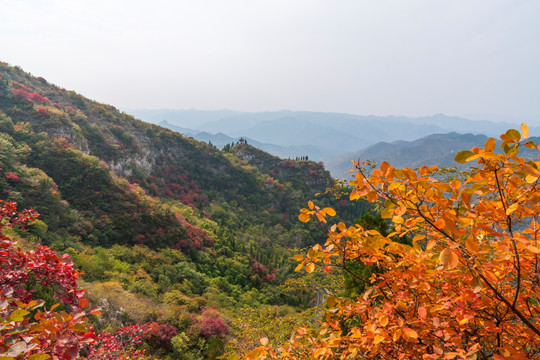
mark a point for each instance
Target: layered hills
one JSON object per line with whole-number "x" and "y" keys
{"x": 164, "y": 227}
{"x": 320, "y": 136}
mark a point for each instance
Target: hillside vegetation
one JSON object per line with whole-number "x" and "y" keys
{"x": 167, "y": 230}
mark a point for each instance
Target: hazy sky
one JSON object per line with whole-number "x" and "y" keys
{"x": 476, "y": 58}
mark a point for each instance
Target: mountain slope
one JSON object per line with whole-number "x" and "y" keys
{"x": 166, "y": 229}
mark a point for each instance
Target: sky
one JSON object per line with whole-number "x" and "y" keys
{"x": 478, "y": 59}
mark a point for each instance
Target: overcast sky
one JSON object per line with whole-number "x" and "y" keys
{"x": 479, "y": 59}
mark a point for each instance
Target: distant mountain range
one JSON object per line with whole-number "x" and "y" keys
{"x": 320, "y": 136}
{"x": 436, "y": 149}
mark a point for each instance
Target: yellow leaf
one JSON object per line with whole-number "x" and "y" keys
{"x": 419, "y": 237}
{"x": 387, "y": 213}
{"x": 354, "y": 195}
{"x": 397, "y": 220}
{"x": 79, "y": 328}
{"x": 298, "y": 257}
{"x": 449, "y": 258}
{"x": 310, "y": 267}
{"x": 462, "y": 156}
{"x": 311, "y": 205}
{"x": 512, "y": 208}
{"x": 513, "y": 134}
{"x": 329, "y": 211}
{"x": 303, "y": 217}
{"x": 397, "y": 335}
{"x": 299, "y": 266}
{"x": 378, "y": 339}
{"x": 530, "y": 178}
{"x": 525, "y": 130}
{"x": 331, "y": 301}
{"x": 319, "y": 352}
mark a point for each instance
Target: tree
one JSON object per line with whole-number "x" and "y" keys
{"x": 469, "y": 285}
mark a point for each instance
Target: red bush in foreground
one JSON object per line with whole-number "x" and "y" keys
{"x": 31, "y": 331}
{"x": 28, "y": 329}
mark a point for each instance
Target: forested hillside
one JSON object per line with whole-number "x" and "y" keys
{"x": 168, "y": 231}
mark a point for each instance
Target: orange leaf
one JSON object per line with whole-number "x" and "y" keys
{"x": 476, "y": 284}
{"x": 372, "y": 196}
{"x": 83, "y": 302}
{"x": 422, "y": 312}
{"x": 400, "y": 210}
{"x": 472, "y": 246}
{"x": 310, "y": 267}
{"x": 303, "y": 217}
{"x": 354, "y": 195}
{"x": 264, "y": 341}
{"x": 490, "y": 144}
{"x": 310, "y": 204}
{"x": 409, "y": 334}
{"x": 525, "y": 130}
{"x": 449, "y": 259}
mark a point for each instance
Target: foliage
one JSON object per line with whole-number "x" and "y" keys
{"x": 162, "y": 226}
{"x": 119, "y": 345}
{"x": 25, "y": 330}
{"x": 467, "y": 287}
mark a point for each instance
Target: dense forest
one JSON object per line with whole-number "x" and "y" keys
{"x": 194, "y": 242}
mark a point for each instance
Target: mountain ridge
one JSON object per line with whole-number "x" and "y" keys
{"x": 332, "y": 134}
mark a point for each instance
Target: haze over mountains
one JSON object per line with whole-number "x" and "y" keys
{"x": 335, "y": 138}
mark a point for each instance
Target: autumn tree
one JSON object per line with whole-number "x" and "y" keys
{"x": 469, "y": 285}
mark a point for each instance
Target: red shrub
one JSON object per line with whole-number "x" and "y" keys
{"x": 119, "y": 345}
{"x": 213, "y": 325}
{"x": 160, "y": 335}
{"x": 42, "y": 111}
{"x": 12, "y": 177}
{"x": 30, "y": 330}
